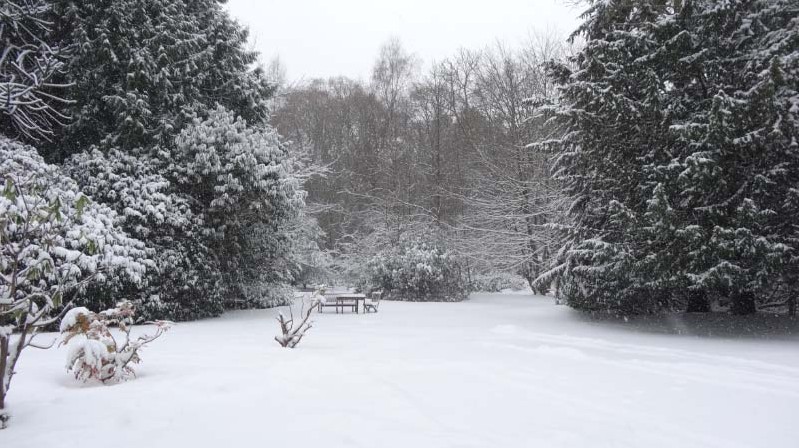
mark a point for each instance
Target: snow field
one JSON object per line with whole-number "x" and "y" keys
{"x": 498, "y": 370}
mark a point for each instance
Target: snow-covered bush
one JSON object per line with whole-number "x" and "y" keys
{"x": 233, "y": 169}
{"x": 94, "y": 352}
{"x": 263, "y": 294}
{"x": 219, "y": 219}
{"x": 54, "y": 241}
{"x": 239, "y": 180}
{"x": 497, "y": 281}
{"x": 187, "y": 283}
{"x": 417, "y": 271}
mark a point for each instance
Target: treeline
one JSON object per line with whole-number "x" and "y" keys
{"x": 651, "y": 166}
{"x": 439, "y": 156}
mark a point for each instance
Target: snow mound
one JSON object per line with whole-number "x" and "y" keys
{"x": 72, "y": 317}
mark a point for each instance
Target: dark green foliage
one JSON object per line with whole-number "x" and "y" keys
{"x": 240, "y": 183}
{"x": 169, "y": 130}
{"x": 697, "y": 302}
{"x": 681, "y": 154}
{"x": 186, "y": 283}
{"x": 140, "y": 69}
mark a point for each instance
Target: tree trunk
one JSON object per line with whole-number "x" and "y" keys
{"x": 4, "y": 341}
{"x": 557, "y": 289}
{"x": 530, "y": 281}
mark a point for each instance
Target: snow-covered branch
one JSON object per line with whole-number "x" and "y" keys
{"x": 28, "y": 65}
{"x": 291, "y": 332}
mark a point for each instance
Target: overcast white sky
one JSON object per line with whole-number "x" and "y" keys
{"x": 321, "y": 38}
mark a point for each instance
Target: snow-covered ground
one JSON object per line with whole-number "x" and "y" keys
{"x": 495, "y": 371}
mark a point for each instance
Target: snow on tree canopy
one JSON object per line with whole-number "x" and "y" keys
{"x": 185, "y": 283}
{"x": 81, "y": 240}
{"x": 142, "y": 68}
{"x": 680, "y": 154}
{"x": 242, "y": 182}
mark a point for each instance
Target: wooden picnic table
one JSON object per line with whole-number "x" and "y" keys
{"x": 344, "y": 299}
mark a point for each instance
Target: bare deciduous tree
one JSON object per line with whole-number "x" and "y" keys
{"x": 291, "y": 331}
{"x": 444, "y": 154}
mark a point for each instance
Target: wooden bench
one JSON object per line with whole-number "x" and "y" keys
{"x": 371, "y": 303}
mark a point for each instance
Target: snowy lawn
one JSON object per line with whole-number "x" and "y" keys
{"x": 495, "y": 371}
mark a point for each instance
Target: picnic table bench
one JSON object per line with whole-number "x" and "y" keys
{"x": 342, "y": 301}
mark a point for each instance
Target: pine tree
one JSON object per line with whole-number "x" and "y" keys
{"x": 140, "y": 69}
{"x": 611, "y": 123}
{"x": 681, "y": 155}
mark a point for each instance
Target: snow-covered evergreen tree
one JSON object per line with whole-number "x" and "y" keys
{"x": 141, "y": 68}
{"x": 739, "y": 157}
{"x": 680, "y": 153}
{"x": 140, "y": 72}
{"x": 610, "y": 124}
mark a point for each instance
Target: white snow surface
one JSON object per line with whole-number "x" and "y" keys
{"x": 498, "y": 370}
